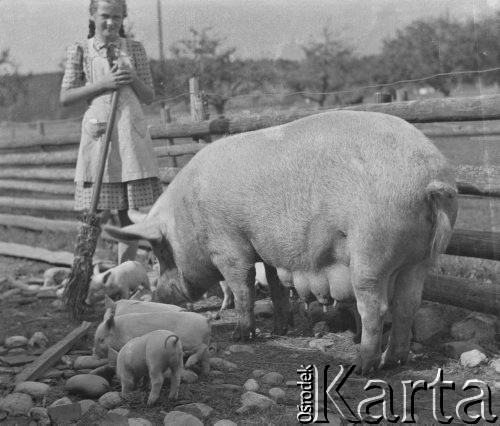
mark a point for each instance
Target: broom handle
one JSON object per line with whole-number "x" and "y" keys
{"x": 104, "y": 153}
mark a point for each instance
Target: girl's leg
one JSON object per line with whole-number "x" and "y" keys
{"x": 126, "y": 251}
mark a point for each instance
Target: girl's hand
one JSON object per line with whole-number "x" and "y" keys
{"x": 118, "y": 77}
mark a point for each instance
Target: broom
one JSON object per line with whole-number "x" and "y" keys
{"x": 77, "y": 286}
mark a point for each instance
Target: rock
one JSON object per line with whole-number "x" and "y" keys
{"x": 17, "y": 360}
{"x": 197, "y": 409}
{"x": 87, "y": 385}
{"x": 69, "y": 373}
{"x": 496, "y": 365}
{"x": 120, "y": 411}
{"x": 455, "y": 349}
{"x": 291, "y": 383}
{"x": 86, "y": 404}
{"x": 105, "y": 371}
{"x": 272, "y": 379}
{"x": 225, "y": 422}
{"x": 277, "y": 394}
{"x": 16, "y": 404}
{"x": 40, "y": 415}
{"x": 179, "y": 418}
{"x": 32, "y": 388}
{"x": 263, "y": 308}
{"x": 215, "y": 373}
{"x": 251, "y": 385}
{"x": 61, "y": 401}
{"x": 217, "y": 381}
{"x": 64, "y": 414}
{"x": 47, "y": 293}
{"x": 138, "y": 421}
{"x": 253, "y": 400}
{"x": 38, "y": 340}
{"x": 15, "y": 342}
{"x": 53, "y": 277}
{"x": 222, "y": 364}
{"x": 112, "y": 419}
{"x": 88, "y": 362}
{"x": 321, "y": 344}
{"x": 472, "y": 358}
{"x": 241, "y": 348}
{"x": 188, "y": 376}
{"x": 429, "y": 323}
{"x": 111, "y": 400}
{"x": 259, "y": 373}
{"x": 17, "y": 351}
{"x": 52, "y": 373}
{"x": 477, "y": 328}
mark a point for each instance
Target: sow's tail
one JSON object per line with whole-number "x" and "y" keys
{"x": 173, "y": 336}
{"x": 442, "y": 199}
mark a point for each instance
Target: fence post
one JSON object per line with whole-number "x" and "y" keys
{"x": 199, "y": 112}
{"x": 401, "y": 95}
{"x": 383, "y": 97}
{"x": 162, "y": 113}
{"x": 167, "y": 118}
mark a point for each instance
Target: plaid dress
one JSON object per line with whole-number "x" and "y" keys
{"x": 131, "y": 177}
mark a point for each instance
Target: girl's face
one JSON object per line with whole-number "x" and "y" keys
{"x": 108, "y": 19}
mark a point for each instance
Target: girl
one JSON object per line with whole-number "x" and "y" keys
{"x": 105, "y": 62}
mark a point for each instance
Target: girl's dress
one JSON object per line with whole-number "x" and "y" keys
{"x": 131, "y": 177}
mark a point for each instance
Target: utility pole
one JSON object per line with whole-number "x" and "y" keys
{"x": 160, "y": 32}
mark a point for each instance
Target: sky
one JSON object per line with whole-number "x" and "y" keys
{"x": 37, "y": 32}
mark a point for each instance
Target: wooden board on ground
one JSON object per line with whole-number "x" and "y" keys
{"x": 52, "y": 355}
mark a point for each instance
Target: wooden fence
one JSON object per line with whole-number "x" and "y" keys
{"x": 36, "y": 176}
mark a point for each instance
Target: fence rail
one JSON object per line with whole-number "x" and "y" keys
{"x": 36, "y": 175}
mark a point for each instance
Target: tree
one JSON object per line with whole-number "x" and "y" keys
{"x": 325, "y": 68}
{"x": 427, "y": 48}
{"x": 12, "y": 85}
{"x": 222, "y": 76}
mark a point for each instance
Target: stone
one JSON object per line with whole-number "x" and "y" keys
{"x": 272, "y": 379}
{"x": 263, "y": 308}
{"x": 17, "y": 351}
{"x": 15, "y": 342}
{"x": 241, "y": 348}
{"x": 321, "y": 344}
{"x": 277, "y": 394}
{"x": 86, "y": 404}
{"x": 496, "y": 365}
{"x": 105, "y": 371}
{"x": 251, "y": 385}
{"x": 61, "y": 401}
{"x": 32, "y": 388}
{"x": 455, "y": 349}
{"x": 40, "y": 415}
{"x": 217, "y": 381}
{"x": 17, "y": 360}
{"x": 429, "y": 323}
{"x": 179, "y": 418}
{"x": 120, "y": 411}
{"x": 16, "y": 404}
{"x": 88, "y": 362}
{"x": 222, "y": 364}
{"x": 259, "y": 373}
{"x": 112, "y": 419}
{"x": 188, "y": 376}
{"x": 197, "y": 409}
{"x": 64, "y": 414}
{"x": 215, "y": 373}
{"x": 88, "y": 385}
{"x": 225, "y": 422}
{"x": 47, "y": 293}
{"x": 111, "y": 400}
{"x": 52, "y": 373}
{"x": 477, "y": 328}
{"x": 69, "y": 373}
{"x": 138, "y": 421}
{"x": 472, "y": 358}
{"x": 38, "y": 340}
{"x": 291, "y": 383}
{"x": 253, "y": 400}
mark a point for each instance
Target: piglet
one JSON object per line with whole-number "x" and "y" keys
{"x": 151, "y": 354}
{"x": 117, "y": 282}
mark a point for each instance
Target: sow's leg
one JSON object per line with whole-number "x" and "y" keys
{"x": 240, "y": 277}
{"x": 281, "y": 301}
{"x": 406, "y": 301}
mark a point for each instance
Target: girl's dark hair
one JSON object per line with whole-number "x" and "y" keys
{"x": 93, "y": 9}
{"x": 91, "y": 34}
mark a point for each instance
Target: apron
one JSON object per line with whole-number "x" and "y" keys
{"x": 131, "y": 154}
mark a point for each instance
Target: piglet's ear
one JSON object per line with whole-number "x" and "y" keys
{"x": 110, "y": 322}
{"x": 96, "y": 269}
{"x": 109, "y": 303}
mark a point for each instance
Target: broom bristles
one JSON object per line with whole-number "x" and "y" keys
{"x": 77, "y": 286}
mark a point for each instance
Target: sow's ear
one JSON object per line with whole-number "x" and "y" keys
{"x": 140, "y": 231}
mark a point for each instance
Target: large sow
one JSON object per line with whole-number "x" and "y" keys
{"x": 346, "y": 205}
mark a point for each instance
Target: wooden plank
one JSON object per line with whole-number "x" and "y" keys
{"x": 37, "y": 186}
{"x": 473, "y": 295}
{"x": 167, "y": 174}
{"x": 37, "y": 204}
{"x": 177, "y": 150}
{"x": 484, "y": 245}
{"x": 479, "y": 180}
{"x": 58, "y": 258}
{"x": 37, "y": 223}
{"x": 52, "y": 355}
{"x": 39, "y": 158}
{"x": 464, "y": 129}
{"x": 42, "y": 173}
{"x": 31, "y": 141}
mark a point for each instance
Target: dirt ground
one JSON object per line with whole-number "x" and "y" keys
{"x": 23, "y": 315}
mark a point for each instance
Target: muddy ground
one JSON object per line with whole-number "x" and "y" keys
{"x": 23, "y": 315}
